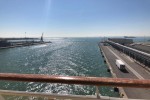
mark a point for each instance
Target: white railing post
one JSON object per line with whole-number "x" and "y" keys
{"x": 97, "y": 93}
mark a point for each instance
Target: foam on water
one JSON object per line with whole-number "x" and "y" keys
{"x": 39, "y": 46}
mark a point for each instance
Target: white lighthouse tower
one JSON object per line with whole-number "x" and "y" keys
{"x": 42, "y": 37}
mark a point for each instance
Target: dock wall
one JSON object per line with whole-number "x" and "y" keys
{"x": 121, "y": 90}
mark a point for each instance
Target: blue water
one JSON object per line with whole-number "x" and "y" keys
{"x": 64, "y": 56}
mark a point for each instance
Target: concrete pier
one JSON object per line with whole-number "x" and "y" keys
{"x": 133, "y": 71}
{"x": 140, "y": 56}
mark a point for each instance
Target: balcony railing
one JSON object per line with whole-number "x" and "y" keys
{"x": 94, "y": 81}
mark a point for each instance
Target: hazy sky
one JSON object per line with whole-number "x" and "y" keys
{"x": 74, "y": 18}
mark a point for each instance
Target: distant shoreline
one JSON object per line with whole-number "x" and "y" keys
{"x": 25, "y": 44}
{"x": 26, "y": 38}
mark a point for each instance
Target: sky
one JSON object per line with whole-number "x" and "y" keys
{"x": 74, "y": 18}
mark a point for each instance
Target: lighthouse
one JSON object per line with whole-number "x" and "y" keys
{"x": 42, "y": 38}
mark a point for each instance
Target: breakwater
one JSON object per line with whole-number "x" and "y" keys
{"x": 21, "y": 44}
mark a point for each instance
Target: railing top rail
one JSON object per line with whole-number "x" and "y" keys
{"x": 96, "y": 81}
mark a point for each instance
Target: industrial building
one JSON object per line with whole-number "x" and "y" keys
{"x": 122, "y": 41}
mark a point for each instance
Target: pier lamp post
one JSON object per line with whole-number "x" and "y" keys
{"x": 25, "y": 37}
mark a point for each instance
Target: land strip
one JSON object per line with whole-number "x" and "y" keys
{"x": 133, "y": 70}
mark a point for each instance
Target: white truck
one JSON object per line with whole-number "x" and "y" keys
{"x": 120, "y": 64}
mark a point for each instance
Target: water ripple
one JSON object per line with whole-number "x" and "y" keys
{"x": 68, "y": 57}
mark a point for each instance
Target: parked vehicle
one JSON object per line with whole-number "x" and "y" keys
{"x": 120, "y": 64}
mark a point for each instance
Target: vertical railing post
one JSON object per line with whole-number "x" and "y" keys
{"x": 97, "y": 93}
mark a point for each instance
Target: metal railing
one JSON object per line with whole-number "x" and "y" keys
{"x": 95, "y": 81}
